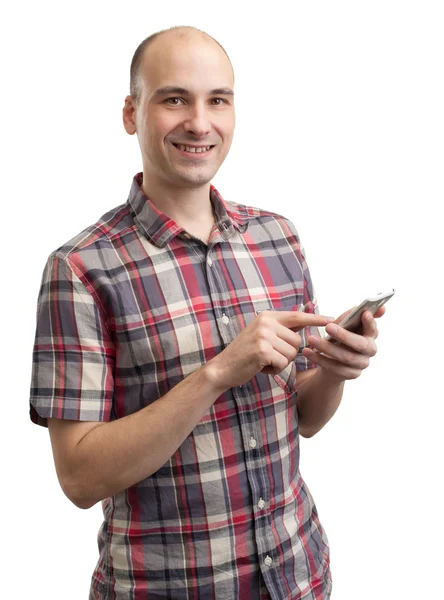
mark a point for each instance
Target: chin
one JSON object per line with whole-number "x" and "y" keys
{"x": 196, "y": 178}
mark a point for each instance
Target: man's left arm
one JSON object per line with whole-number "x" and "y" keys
{"x": 320, "y": 390}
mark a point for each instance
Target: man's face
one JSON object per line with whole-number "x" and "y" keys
{"x": 201, "y": 114}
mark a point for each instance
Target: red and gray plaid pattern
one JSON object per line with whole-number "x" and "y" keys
{"x": 126, "y": 310}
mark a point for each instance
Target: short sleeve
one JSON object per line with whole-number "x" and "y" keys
{"x": 310, "y": 303}
{"x": 73, "y": 355}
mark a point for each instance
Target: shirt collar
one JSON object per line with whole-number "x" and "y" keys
{"x": 161, "y": 229}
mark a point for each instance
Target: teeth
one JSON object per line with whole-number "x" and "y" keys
{"x": 191, "y": 149}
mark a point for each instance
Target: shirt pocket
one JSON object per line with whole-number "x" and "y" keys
{"x": 286, "y": 379}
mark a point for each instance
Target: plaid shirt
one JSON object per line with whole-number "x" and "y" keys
{"x": 126, "y": 310}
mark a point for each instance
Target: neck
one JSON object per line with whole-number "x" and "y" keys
{"x": 186, "y": 206}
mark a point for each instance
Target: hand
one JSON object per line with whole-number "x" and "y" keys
{"x": 267, "y": 344}
{"x": 351, "y": 356}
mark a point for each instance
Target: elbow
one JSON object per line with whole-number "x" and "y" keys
{"x": 306, "y": 433}
{"x": 77, "y": 496}
{"x": 83, "y": 503}
{"x": 308, "y": 430}
{"x": 83, "y": 500}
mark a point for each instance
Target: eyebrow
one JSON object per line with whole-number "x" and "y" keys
{"x": 172, "y": 89}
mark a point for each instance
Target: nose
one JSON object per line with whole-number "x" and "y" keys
{"x": 197, "y": 121}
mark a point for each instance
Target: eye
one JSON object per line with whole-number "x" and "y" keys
{"x": 172, "y": 101}
{"x": 173, "y": 98}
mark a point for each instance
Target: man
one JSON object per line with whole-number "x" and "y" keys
{"x": 171, "y": 338}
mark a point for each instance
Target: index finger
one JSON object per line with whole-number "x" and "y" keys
{"x": 296, "y": 320}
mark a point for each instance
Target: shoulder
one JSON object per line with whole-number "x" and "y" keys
{"x": 95, "y": 238}
{"x": 252, "y": 212}
{"x": 262, "y": 217}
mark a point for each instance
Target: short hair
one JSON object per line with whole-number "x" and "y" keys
{"x": 140, "y": 51}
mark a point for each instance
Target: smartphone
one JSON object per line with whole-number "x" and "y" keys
{"x": 353, "y": 321}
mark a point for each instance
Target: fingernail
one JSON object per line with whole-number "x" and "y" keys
{"x": 330, "y": 319}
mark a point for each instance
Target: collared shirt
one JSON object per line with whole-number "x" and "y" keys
{"x": 126, "y": 310}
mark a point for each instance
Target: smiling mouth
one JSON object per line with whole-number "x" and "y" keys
{"x": 193, "y": 150}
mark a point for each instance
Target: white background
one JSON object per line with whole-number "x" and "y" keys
{"x": 340, "y": 128}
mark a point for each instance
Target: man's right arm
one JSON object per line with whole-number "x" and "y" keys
{"x": 97, "y": 460}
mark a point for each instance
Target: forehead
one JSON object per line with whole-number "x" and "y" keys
{"x": 190, "y": 63}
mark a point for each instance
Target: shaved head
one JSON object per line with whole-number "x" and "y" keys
{"x": 181, "y": 95}
{"x": 182, "y": 33}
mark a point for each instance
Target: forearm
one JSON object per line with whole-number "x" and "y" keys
{"x": 317, "y": 401}
{"x": 121, "y": 453}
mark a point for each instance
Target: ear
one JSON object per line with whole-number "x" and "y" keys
{"x": 129, "y": 115}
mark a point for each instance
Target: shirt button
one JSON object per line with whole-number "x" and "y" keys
{"x": 225, "y": 319}
{"x": 252, "y": 443}
{"x": 261, "y": 503}
{"x": 268, "y": 561}
{"x": 209, "y": 261}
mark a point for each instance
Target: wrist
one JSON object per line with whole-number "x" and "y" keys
{"x": 211, "y": 374}
{"x": 329, "y": 379}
